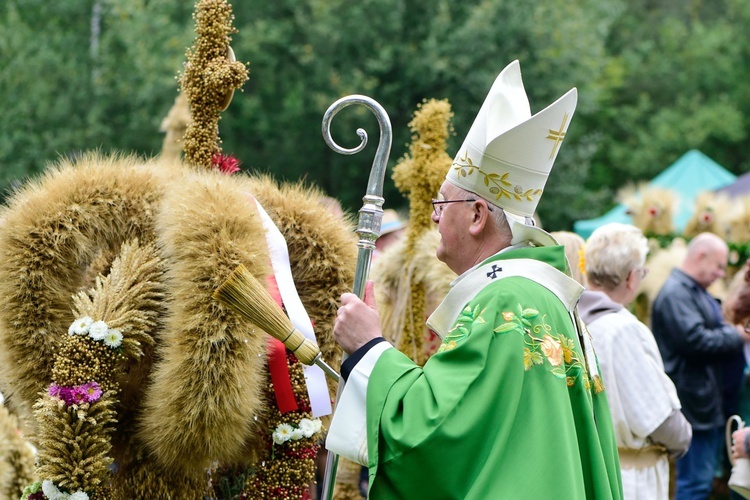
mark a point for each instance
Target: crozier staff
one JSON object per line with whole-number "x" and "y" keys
{"x": 511, "y": 406}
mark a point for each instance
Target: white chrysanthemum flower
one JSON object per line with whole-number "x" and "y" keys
{"x": 283, "y": 433}
{"x": 307, "y": 427}
{"x": 80, "y": 326}
{"x": 78, "y": 495}
{"x": 318, "y": 424}
{"x": 297, "y": 434}
{"x": 98, "y": 330}
{"x": 277, "y": 438}
{"x": 50, "y": 490}
{"x": 113, "y": 338}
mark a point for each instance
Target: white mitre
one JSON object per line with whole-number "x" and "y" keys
{"x": 508, "y": 154}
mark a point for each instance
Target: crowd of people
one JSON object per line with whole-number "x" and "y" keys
{"x": 546, "y": 385}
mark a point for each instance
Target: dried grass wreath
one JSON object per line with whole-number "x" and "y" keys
{"x": 198, "y": 394}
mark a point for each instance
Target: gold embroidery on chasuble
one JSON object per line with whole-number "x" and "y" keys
{"x": 460, "y": 331}
{"x": 543, "y": 347}
{"x": 596, "y": 379}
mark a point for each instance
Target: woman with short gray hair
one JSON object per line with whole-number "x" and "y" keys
{"x": 613, "y": 253}
{"x": 648, "y": 423}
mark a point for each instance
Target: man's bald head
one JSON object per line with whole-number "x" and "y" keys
{"x": 706, "y": 259}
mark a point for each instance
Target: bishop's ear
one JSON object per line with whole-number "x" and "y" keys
{"x": 480, "y": 217}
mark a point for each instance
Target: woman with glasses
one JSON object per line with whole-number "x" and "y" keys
{"x": 649, "y": 425}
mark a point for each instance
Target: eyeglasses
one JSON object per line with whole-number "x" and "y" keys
{"x": 439, "y": 203}
{"x": 643, "y": 271}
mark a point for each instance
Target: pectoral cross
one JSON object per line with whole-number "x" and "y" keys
{"x": 493, "y": 274}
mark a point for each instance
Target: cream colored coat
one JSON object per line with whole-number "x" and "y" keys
{"x": 641, "y": 396}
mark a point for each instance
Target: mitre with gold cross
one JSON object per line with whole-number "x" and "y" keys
{"x": 508, "y": 154}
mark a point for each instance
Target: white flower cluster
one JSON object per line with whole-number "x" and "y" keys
{"x": 307, "y": 428}
{"x": 53, "y": 493}
{"x": 97, "y": 330}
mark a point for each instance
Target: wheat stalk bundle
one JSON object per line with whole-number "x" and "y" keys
{"x": 243, "y": 293}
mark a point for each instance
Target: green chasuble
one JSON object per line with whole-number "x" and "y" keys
{"x": 506, "y": 409}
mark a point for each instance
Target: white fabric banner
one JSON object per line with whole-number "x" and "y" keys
{"x": 315, "y": 379}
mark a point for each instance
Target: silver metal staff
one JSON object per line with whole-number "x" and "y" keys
{"x": 370, "y": 218}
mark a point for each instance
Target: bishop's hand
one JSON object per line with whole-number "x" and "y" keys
{"x": 357, "y": 321}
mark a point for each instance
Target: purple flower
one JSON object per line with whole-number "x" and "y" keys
{"x": 54, "y": 390}
{"x": 66, "y": 394}
{"x": 79, "y": 395}
{"x": 92, "y": 391}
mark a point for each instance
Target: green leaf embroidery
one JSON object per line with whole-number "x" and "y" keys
{"x": 529, "y": 313}
{"x": 506, "y": 327}
{"x": 537, "y": 358}
{"x": 558, "y": 372}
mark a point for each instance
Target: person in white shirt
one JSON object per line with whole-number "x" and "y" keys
{"x": 648, "y": 423}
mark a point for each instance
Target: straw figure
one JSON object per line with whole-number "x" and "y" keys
{"x": 652, "y": 210}
{"x": 738, "y": 233}
{"x": 133, "y": 381}
{"x": 710, "y": 215}
{"x": 418, "y": 175}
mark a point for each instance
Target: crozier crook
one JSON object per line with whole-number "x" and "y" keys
{"x": 370, "y": 216}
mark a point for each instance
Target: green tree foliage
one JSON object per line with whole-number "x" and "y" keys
{"x": 84, "y": 75}
{"x": 399, "y": 53}
{"x": 655, "y": 78}
{"x": 676, "y": 74}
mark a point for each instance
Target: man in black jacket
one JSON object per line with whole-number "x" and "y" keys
{"x": 694, "y": 341}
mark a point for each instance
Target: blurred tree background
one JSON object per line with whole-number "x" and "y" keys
{"x": 655, "y": 77}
